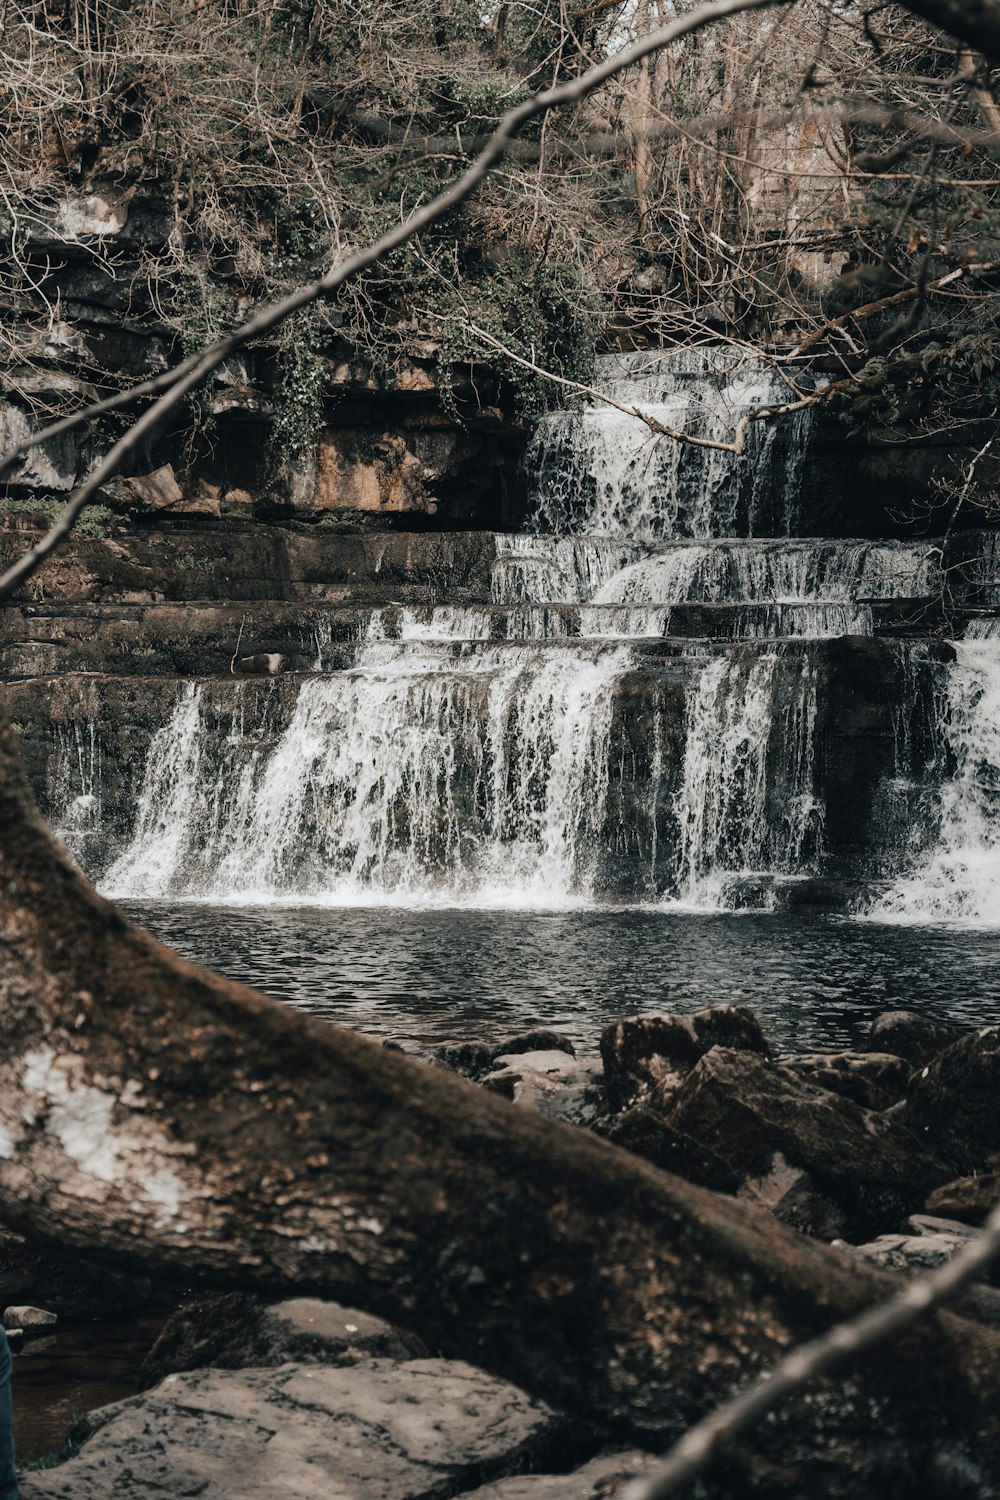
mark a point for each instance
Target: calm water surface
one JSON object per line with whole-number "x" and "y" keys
{"x": 426, "y": 976}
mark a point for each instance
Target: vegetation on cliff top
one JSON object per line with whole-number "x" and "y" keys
{"x": 766, "y": 182}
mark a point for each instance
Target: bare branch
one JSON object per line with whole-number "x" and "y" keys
{"x": 698, "y": 1447}
{"x": 869, "y": 309}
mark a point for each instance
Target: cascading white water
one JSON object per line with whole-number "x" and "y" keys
{"x": 739, "y": 712}
{"x": 557, "y": 569}
{"x": 603, "y": 471}
{"x": 959, "y": 881}
{"x": 421, "y": 775}
{"x": 744, "y": 571}
{"x": 985, "y": 629}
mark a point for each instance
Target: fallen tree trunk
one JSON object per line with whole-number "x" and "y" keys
{"x": 156, "y": 1111}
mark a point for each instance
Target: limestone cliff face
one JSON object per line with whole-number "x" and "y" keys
{"x": 90, "y": 319}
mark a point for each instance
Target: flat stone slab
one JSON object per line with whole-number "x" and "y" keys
{"x": 379, "y": 1430}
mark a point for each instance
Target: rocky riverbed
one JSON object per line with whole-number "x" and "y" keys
{"x": 892, "y": 1152}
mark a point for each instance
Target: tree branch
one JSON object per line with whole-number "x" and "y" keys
{"x": 698, "y": 1447}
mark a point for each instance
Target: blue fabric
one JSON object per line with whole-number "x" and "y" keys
{"x": 8, "y": 1473}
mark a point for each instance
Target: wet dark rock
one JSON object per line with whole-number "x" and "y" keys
{"x": 652, "y": 1055}
{"x": 969, "y": 1199}
{"x": 906, "y": 1034}
{"x": 875, "y": 1080}
{"x": 539, "y": 1040}
{"x": 954, "y": 1101}
{"x": 379, "y": 1429}
{"x": 472, "y": 1059}
{"x": 71, "y": 1285}
{"x": 475, "y": 1059}
{"x": 646, "y": 1133}
{"x": 863, "y": 1168}
{"x": 235, "y": 1330}
{"x": 558, "y": 1085}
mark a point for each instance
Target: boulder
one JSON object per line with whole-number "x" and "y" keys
{"x": 601, "y": 1479}
{"x": 645, "y": 1133}
{"x": 472, "y": 1059}
{"x": 967, "y": 1198}
{"x": 954, "y": 1101}
{"x": 160, "y": 493}
{"x": 29, "y": 1318}
{"x": 911, "y": 1252}
{"x": 475, "y": 1059}
{"x": 378, "y": 1429}
{"x": 234, "y": 1330}
{"x": 650, "y": 1056}
{"x": 875, "y": 1080}
{"x": 863, "y": 1167}
{"x": 560, "y": 1086}
{"x": 541, "y": 1039}
{"x": 911, "y": 1036}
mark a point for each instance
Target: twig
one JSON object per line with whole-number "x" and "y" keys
{"x": 701, "y": 1444}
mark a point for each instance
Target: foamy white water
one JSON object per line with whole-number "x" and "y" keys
{"x": 416, "y": 776}
{"x": 959, "y": 882}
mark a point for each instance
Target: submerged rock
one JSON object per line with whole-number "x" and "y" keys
{"x": 652, "y": 1055}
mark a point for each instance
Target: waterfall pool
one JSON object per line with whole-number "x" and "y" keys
{"x": 423, "y": 976}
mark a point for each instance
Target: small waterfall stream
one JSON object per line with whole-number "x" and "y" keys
{"x": 959, "y": 879}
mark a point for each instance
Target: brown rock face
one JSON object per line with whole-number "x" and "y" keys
{"x": 875, "y": 1080}
{"x": 393, "y": 473}
{"x": 768, "y": 1126}
{"x": 954, "y": 1102}
{"x": 646, "y": 1055}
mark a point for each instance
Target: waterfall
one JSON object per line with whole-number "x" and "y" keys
{"x": 959, "y": 880}
{"x": 641, "y": 697}
{"x": 743, "y": 712}
{"x": 421, "y": 775}
{"x": 601, "y": 470}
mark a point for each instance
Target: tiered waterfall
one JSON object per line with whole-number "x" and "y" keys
{"x": 663, "y": 690}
